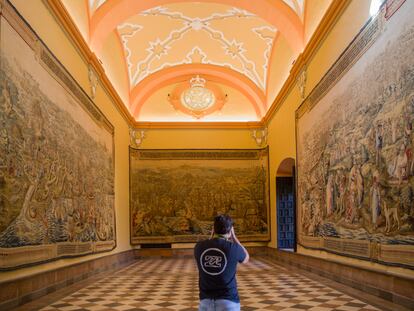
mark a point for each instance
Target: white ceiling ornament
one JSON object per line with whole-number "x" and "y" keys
{"x": 95, "y": 4}
{"x": 297, "y": 6}
{"x": 268, "y": 34}
{"x": 197, "y": 97}
{"x": 246, "y": 51}
{"x": 195, "y": 56}
{"x": 128, "y": 31}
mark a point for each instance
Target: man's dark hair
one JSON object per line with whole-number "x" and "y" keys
{"x": 222, "y": 224}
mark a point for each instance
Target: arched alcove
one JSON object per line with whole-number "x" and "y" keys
{"x": 286, "y": 167}
{"x": 286, "y": 205}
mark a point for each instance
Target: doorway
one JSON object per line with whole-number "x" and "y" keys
{"x": 286, "y": 206}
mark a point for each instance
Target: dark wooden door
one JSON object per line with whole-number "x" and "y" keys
{"x": 286, "y": 216}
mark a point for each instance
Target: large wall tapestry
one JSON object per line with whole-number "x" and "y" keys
{"x": 175, "y": 194}
{"x": 355, "y": 147}
{"x": 56, "y": 157}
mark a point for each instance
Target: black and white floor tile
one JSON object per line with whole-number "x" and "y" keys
{"x": 172, "y": 284}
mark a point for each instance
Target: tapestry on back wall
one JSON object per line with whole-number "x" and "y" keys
{"x": 355, "y": 148}
{"x": 56, "y": 157}
{"x": 175, "y": 194}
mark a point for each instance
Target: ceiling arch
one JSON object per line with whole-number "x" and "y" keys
{"x": 226, "y": 76}
{"x": 276, "y": 12}
{"x": 216, "y": 34}
{"x": 148, "y": 48}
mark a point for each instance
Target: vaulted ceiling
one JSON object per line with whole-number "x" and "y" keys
{"x": 196, "y": 61}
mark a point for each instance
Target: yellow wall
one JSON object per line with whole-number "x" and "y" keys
{"x": 79, "y": 11}
{"x": 314, "y": 11}
{"x": 282, "y": 125}
{"x": 198, "y": 139}
{"x": 44, "y": 24}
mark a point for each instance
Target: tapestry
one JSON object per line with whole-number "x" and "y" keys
{"x": 175, "y": 194}
{"x": 355, "y": 145}
{"x": 56, "y": 157}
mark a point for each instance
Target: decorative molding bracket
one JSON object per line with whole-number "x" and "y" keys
{"x": 38, "y": 47}
{"x": 301, "y": 82}
{"x": 136, "y": 137}
{"x": 93, "y": 80}
{"x": 260, "y": 136}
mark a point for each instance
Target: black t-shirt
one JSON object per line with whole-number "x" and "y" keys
{"x": 217, "y": 263}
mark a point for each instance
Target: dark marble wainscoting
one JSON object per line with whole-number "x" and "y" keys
{"x": 185, "y": 252}
{"x": 392, "y": 287}
{"x": 24, "y": 289}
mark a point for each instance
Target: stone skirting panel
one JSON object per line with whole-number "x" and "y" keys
{"x": 16, "y": 292}
{"x": 185, "y": 252}
{"x": 394, "y": 288}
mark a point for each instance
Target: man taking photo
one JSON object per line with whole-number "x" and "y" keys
{"x": 217, "y": 260}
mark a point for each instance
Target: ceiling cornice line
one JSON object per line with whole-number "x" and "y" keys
{"x": 331, "y": 16}
{"x": 200, "y": 125}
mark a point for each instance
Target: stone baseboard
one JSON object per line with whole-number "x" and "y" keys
{"x": 185, "y": 252}
{"x": 17, "y": 292}
{"x": 397, "y": 289}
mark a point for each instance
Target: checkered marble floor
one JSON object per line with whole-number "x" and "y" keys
{"x": 172, "y": 284}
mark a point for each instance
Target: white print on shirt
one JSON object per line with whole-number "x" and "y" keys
{"x": 213, "y": 261}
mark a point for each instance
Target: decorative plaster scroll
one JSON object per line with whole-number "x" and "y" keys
{"x": 260, "y": 136}
{"x": 38, "y": 47}
{"x": 301, "y": 81}
{"x": 136, "y": 137}
{"x": 93, "y": 81}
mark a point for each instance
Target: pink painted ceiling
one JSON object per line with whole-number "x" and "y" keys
{"x": 152, "y": 48}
